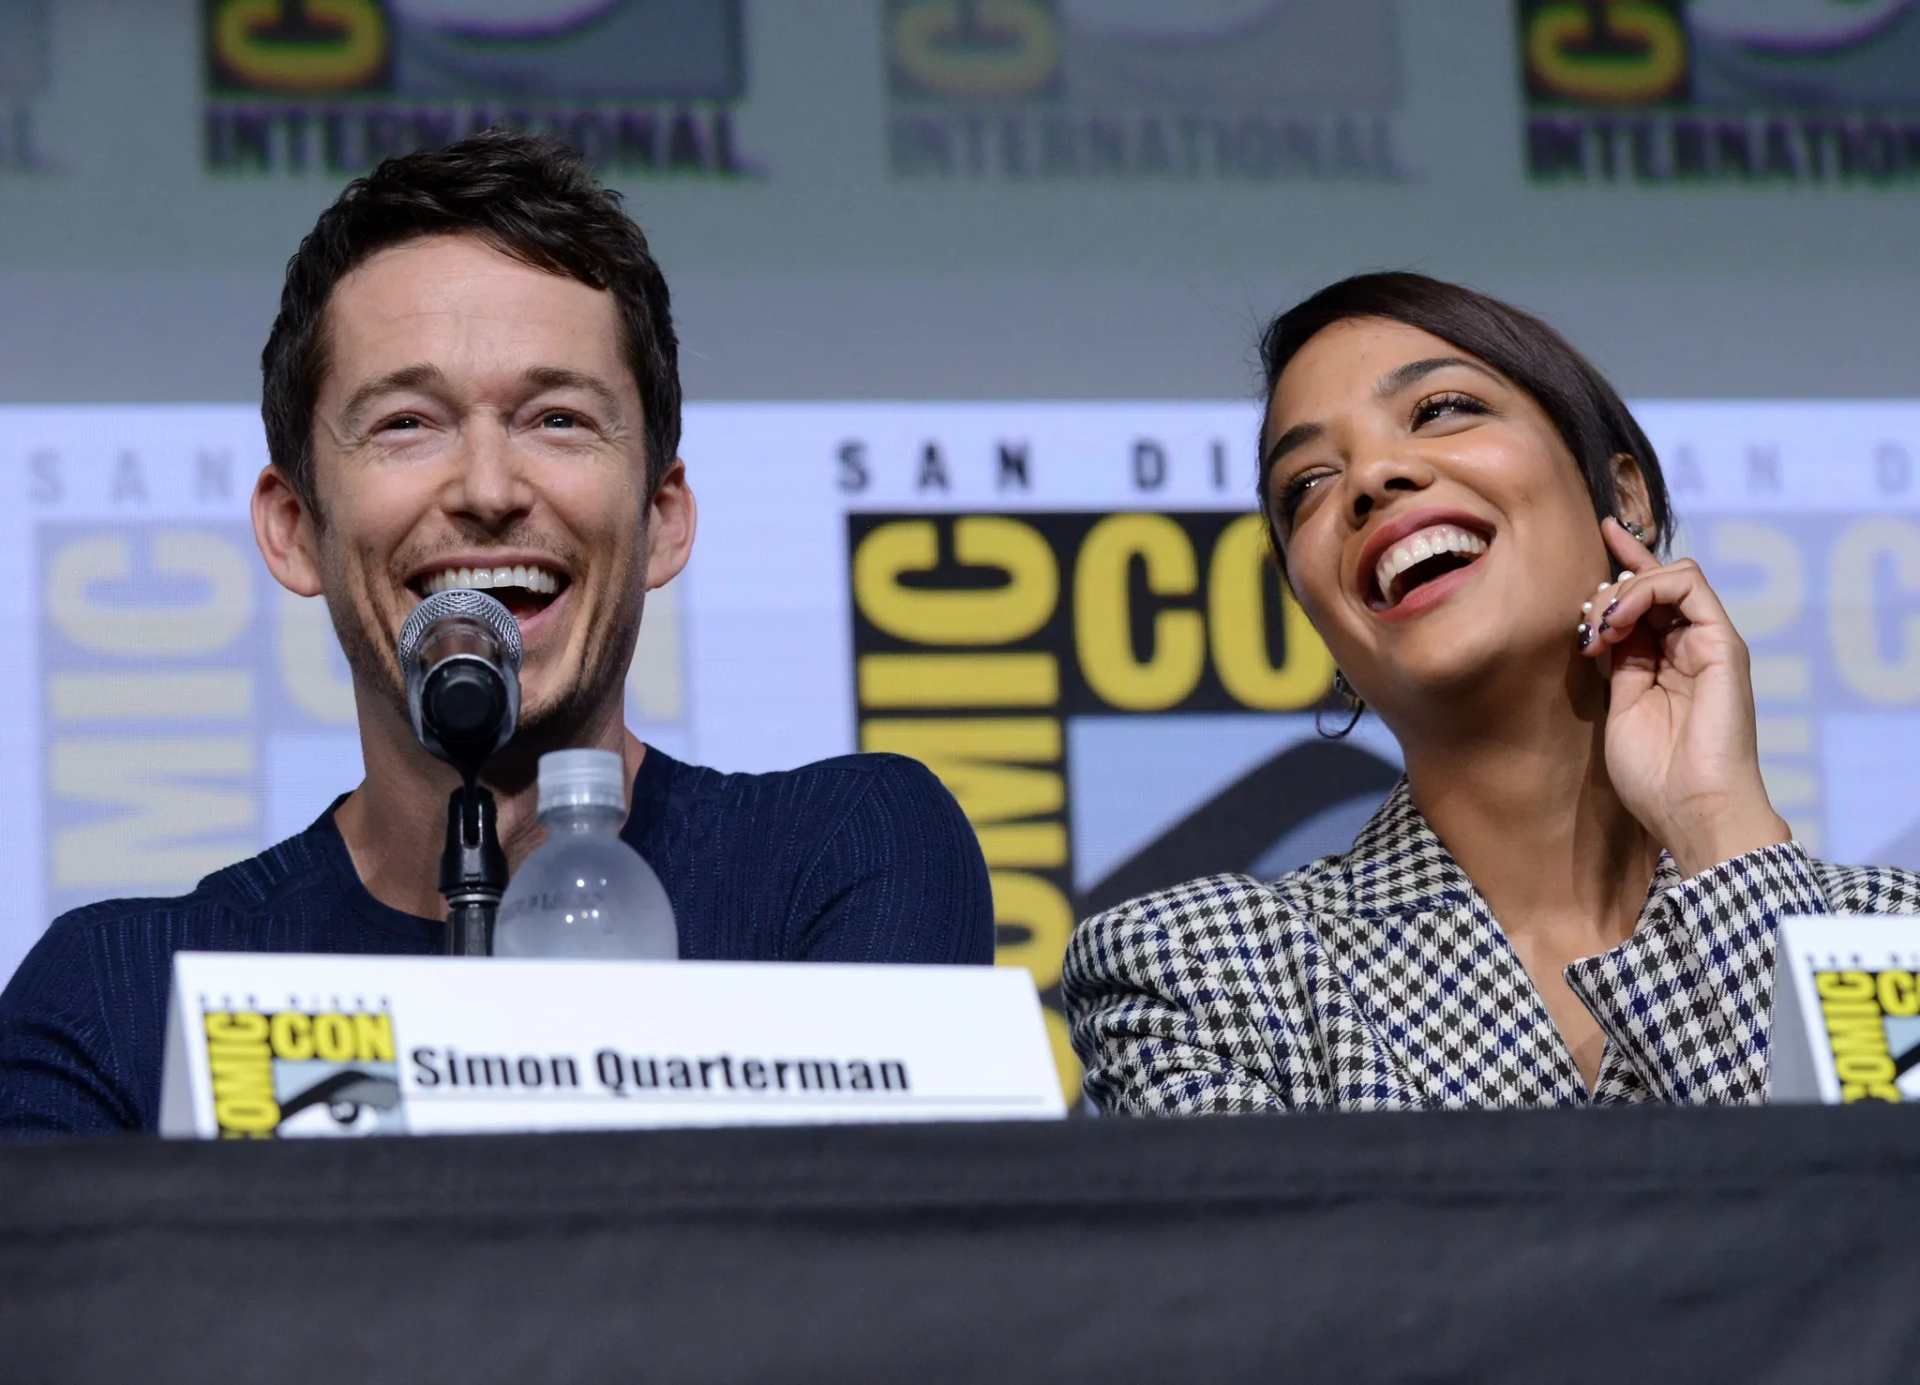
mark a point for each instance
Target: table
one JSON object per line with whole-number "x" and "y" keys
{"x": 1607, "y": 1245}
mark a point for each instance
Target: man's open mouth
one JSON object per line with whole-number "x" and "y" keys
{"x": 1419, "y": 558}
{"x": 525, "y": 589}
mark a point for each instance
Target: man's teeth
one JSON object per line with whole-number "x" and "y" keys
{"x": 1417, "y": 548}
{"x": 533, "y": 579}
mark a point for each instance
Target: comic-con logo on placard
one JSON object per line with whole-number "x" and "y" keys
{"x": 303, "y": 1070}
{"x": 1244, "y": 89}
{"x": 638, "y": 86}
{"x": 1872, "y": 1024}
{"x": 1118, "y": 701}
{"x": 26, "y": 59}
{"x": 1722, "y": 91}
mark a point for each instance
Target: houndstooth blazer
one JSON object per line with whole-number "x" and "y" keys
{"x": 1380, "y": 979}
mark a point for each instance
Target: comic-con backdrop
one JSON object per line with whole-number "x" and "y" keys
{"x": 1067, "y": 611}
{"x": 999, "y": 198}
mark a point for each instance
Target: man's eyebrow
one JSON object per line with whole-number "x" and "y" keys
{"x": 1297, "y": 436}
{"x": 1400, "y": 377}
{"x": 546, "y": 377}
{"x": 422, "y": 376}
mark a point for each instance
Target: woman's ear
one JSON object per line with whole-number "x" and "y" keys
{"x": 1631, "y": 504}
{"x": 283, "y": 527}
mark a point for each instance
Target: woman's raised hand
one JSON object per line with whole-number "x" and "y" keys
{"x": 1681, "y": 750}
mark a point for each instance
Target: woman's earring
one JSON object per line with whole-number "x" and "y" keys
{"x": 1345, "y": 691}
{"x": 1639, "y": 531}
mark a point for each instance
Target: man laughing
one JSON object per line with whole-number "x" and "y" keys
{"x": 473, "y": 381}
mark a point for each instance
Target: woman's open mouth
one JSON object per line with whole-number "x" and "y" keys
{"x": 1419, "y": 559}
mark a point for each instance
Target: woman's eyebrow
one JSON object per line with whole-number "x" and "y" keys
{"x": 1296, "y": 436}
{"x": 1400, "y": 377}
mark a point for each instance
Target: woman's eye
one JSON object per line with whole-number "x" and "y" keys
{"x": 404, "y": 423}
{"x": 1294, "y": 493}
{"x": 1443, "y": 405}
{"x": 558, "y": 420}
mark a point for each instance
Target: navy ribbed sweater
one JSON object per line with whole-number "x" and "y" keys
{"x": 865, "y": 858}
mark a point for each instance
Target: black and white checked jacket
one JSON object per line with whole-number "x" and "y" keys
{"x": 1379, "y": 979}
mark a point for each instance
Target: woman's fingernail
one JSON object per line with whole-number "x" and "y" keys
{"x": 1609, "y": 611}
{"x": 1586, "y": 634}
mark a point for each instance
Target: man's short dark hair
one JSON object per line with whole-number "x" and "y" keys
{"x": 1589, "y": 416}
{"x": 529, "y": 197}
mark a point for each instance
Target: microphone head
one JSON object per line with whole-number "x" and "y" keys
{"x": 460, "y": 653}
{"x": 460, "y": 602}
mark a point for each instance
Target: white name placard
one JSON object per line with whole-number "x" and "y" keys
{"x": 263, "y": 1045}
{"x": 1846, "y": 1010}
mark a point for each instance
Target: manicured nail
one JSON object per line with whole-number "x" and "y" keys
{"x": 1586, "y": 634}
{"x": 1604, "y": 627}
{"x": 1609, "y": 611}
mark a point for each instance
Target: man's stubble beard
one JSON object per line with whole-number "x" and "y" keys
{"x": 375, "y": 665}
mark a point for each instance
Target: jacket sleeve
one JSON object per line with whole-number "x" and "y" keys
{"x": 1165, "y": 1029}
{"x": 1689, "y": 997}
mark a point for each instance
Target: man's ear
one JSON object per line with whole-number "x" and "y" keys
{"x": 671, "y": 519}
{"x": 284, "y": 527}
{"x": 1631, "y": 502}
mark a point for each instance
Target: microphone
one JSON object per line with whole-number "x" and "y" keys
{"x": 460, "y": 652}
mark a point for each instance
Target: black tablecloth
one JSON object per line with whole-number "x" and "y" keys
{"x": 1621, "y": 1245}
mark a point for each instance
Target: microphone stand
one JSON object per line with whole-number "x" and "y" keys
{"x": 473, "y": 870}
{"x": 461, "y": 651}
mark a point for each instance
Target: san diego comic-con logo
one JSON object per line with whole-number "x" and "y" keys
{"x": 1048, "y": 89}
{"x": 1119, "y": 701}
{"x": 1721, "y": 91}
{"x": 1872, "y": 1025}
{"x": 637, "y": 86}
{"x": 299, "y": 1070}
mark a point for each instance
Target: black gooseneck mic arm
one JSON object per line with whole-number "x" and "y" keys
{"x": 473, "y": 871}
{"x": 460, "y": 650}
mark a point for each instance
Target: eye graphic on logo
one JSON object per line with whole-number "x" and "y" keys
{"x": 298, "y": 45}
{"x": 503, "y": 18}
{"x": 348, "y": 1102}
{"x": 1794, "y": 23}
{"x": 1305, "y": 801}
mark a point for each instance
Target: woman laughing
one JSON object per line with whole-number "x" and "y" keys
{"x": 1572, "y": 897}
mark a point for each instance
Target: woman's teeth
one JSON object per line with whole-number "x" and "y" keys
{"x": 533, "y": 579}
{"x": 1417, "y": 548}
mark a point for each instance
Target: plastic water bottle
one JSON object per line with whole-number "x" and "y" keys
{"x": 584, "y": 892}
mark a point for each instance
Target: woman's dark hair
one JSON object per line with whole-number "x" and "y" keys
{"x": 1590, "y": 418}
{"x": 526, "y": 195}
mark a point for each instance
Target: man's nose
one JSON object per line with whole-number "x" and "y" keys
{"x": 490, "y": 486}
{"x": 1381, "y": 475}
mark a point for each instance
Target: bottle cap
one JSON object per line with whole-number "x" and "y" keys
{"x": 582, "y": 779}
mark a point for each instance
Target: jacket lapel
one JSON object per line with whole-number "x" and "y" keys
{"x": 1436, "y": 978}
{"x": 1619, "y": 1080}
